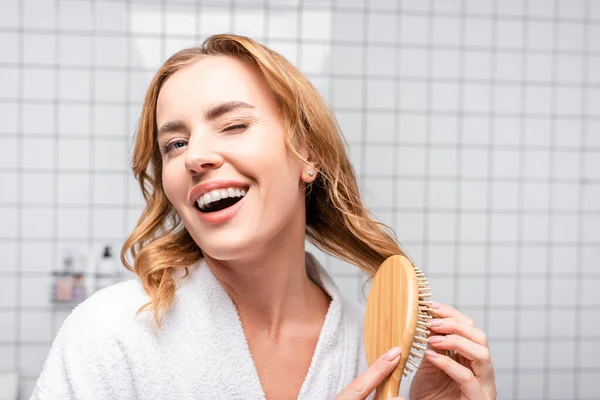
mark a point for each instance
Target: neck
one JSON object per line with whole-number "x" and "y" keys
{"x": 272, "y": 290}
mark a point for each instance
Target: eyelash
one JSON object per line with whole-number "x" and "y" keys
{"x": 167, "y": 147}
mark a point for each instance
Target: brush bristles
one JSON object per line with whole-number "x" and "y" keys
{"x": 423, "y": 316}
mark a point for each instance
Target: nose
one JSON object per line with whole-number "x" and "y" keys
{"x": 201, "y": 155}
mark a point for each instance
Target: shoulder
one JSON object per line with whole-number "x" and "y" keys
{"x": 107, "y": 311}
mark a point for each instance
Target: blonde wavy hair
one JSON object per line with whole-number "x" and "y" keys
{"x": 337, "y": 221}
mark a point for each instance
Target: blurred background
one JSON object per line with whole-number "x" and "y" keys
{"x": 473, "y": 125}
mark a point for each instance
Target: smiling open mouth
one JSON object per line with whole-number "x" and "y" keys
{"x": 219, "y": 204}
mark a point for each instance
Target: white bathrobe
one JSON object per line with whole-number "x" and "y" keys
{"x": 103, "y": 351}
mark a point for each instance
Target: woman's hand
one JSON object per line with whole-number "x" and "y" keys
{"x": 468, "y": 375}
{"x": 367, "y": 382}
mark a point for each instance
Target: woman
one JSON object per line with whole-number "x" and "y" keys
{"x": 240, "y": 160}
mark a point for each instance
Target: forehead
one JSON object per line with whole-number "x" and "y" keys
{"x": 211, "y": 81}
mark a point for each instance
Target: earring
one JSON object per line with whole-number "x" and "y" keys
{"x": 310, "y": 173}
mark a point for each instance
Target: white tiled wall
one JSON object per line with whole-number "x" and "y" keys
{"x": 474, "y": 127}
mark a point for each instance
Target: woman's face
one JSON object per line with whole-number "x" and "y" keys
{"x": 221, "y": 134}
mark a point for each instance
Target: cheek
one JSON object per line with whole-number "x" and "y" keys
{"x": 174, "y": 186}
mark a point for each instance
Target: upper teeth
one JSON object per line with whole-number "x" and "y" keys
{"x": 219, "y": 194}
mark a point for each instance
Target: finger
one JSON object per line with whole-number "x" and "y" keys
{"x": 469, "y": 385}
{"x": 452, "y": 325}
{"x": 366, "y": 382}
{"x": 445, "y": 311}
{"x": 466, "y": 348}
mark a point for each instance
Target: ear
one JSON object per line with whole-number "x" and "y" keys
{"x": 309, "y": 170}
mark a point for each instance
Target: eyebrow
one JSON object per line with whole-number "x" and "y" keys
{"x": 210, "y": 114}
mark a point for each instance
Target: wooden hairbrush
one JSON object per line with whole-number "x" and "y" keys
{"x": 397, "y": 314}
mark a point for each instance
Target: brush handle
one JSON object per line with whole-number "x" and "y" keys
{"x": 390, "y": 388}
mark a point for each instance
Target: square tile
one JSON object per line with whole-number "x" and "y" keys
{"x": 569, "y": 69}
{"x": 503, "y": 355}
{"x": 532, "y": 322}
{"x": 315, "y": 58}
{"x": 146, "y": 18}
{"x": 444, "y": 130}
{"x": 413, "y": 63}
{"x": 444, "y": 96}
{"x": 443, "y": 162}
{"x": 380, "y": 127}
{"x": 73, "y": 223}
{"x": 446, "y": 30}
{"x": 9, "y": 113}
{"x": 108, "y": 188}
{"x": 8, "y": 227}
{"x": 412, "y": 96}
{"x": 39, "y": 84}
{"x": 9, "y": 185}
{"x": 139, "y": 83}
{"x": 381, "y": 60}
{"x": 507, "y": 99}
{"x": 590, "y": 295}
{"x": 316, "y": 24}
{"x": 410, "y": 226}
{"x": 478, "y": 32}
{"x": 74, "y": 119}
{"x": 347, "y": 25}
{"x": 565, "y": 196}
{"x": 538, "y": 67}
{"x": 145, "y": 52}
{"x": 39, "y": 14}
{"x": 441, "y": 195}
{"x": 472, "y": 259}
{"x": 444, "y": 289}
{"x": 537, "y": 133}
{"x": 534, "y": 260}
{"x": 471, "y": 292}
{"x": 505, "y": 163}
{"x": 215, "y": 19}
{"x": 109, "y": 120}
{"x": 589, "y": 354}
{"x": 501, "y": 329}
{"x": 73, "y": 154}
{"x": 591, "y": 196}
{"x": 8, "y": 333}
{"x": 37, "y": 223}
{"x": 73, "y": 188}
{"x": 381, "y": 27}
{"x": 378, "y": 192}
{"x": 74, "y": 50}
{"x": 411, "y": 129}
{"x": 32, "y": 358}
{"x": 562, "y": 259}
{"x": 509, "y": 66}
{"x": 108, "y": 223}
{"x": 533, "y": 292}
{"x": 110, "y": 155}
{"x": 476, "y": 97}
{"x": 35, "y": 326}
{"x": 111, "y": 51}
{"x": 589, "y": 322}
{"x": 503, "y": 260}
{"x": 474, "y": 163}
{"x": 283, "y": 24}
{"x": 36, "y": 256}
{"x": 531, "y": 387}
{"x": 379, "y": 160}
{"x": 509, "y": 33}
{"x": 587, "y": 383}
{"x": 502, "y": 292}
{"x": 38, "y": 119}
{"x": 473, "y": 195}
{"x": 505, "y": 195}
{"x": 540, "y": 35}
{"x": 39, "y": 48}
{"x": 560, "y": 385}
{"x": 38, "y": 153}
{"x": 347, "y": 92}
{"x": 534, "y": 227}
{"x": 251, "y": 23}
{"x": 473, "y": 227}
{"x": 591, "y": 164}
{"x": 380, "y": 94}
{"x": 110, "y": 16}
{"x": 569, "y": 101}
{"x": 563, "y": 291}
{"x": 591, "y": 228}
{"x": 74, "y": 85}
{"x": 38, "y": 188}
{"x": 409, "y": 193}
{"x": 476, "y": 65}
{"x": 562, "y": 354}
{"x": 441, "y": 226}
{"x": 445, "y": 64}
{"x": 9, "y": 82}
{"x": 110, "y": 85}
{"x": 10, "y": 14}
{"x": 440, "y": 259}
{"x": 565, "y": 228}
{"x": 35, "y": 292}
{"x": 180, "y": 20}
{"x": 535, "y": 196}
{"x": 75, "y": 15}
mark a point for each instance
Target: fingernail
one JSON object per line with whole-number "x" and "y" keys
{"x": 435, "y": 339}
{"x": 436, "y": 321}
{"x": 431, "y": 353}
{"x": 392, "y": 353}
{"x": 434, "y": 305}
